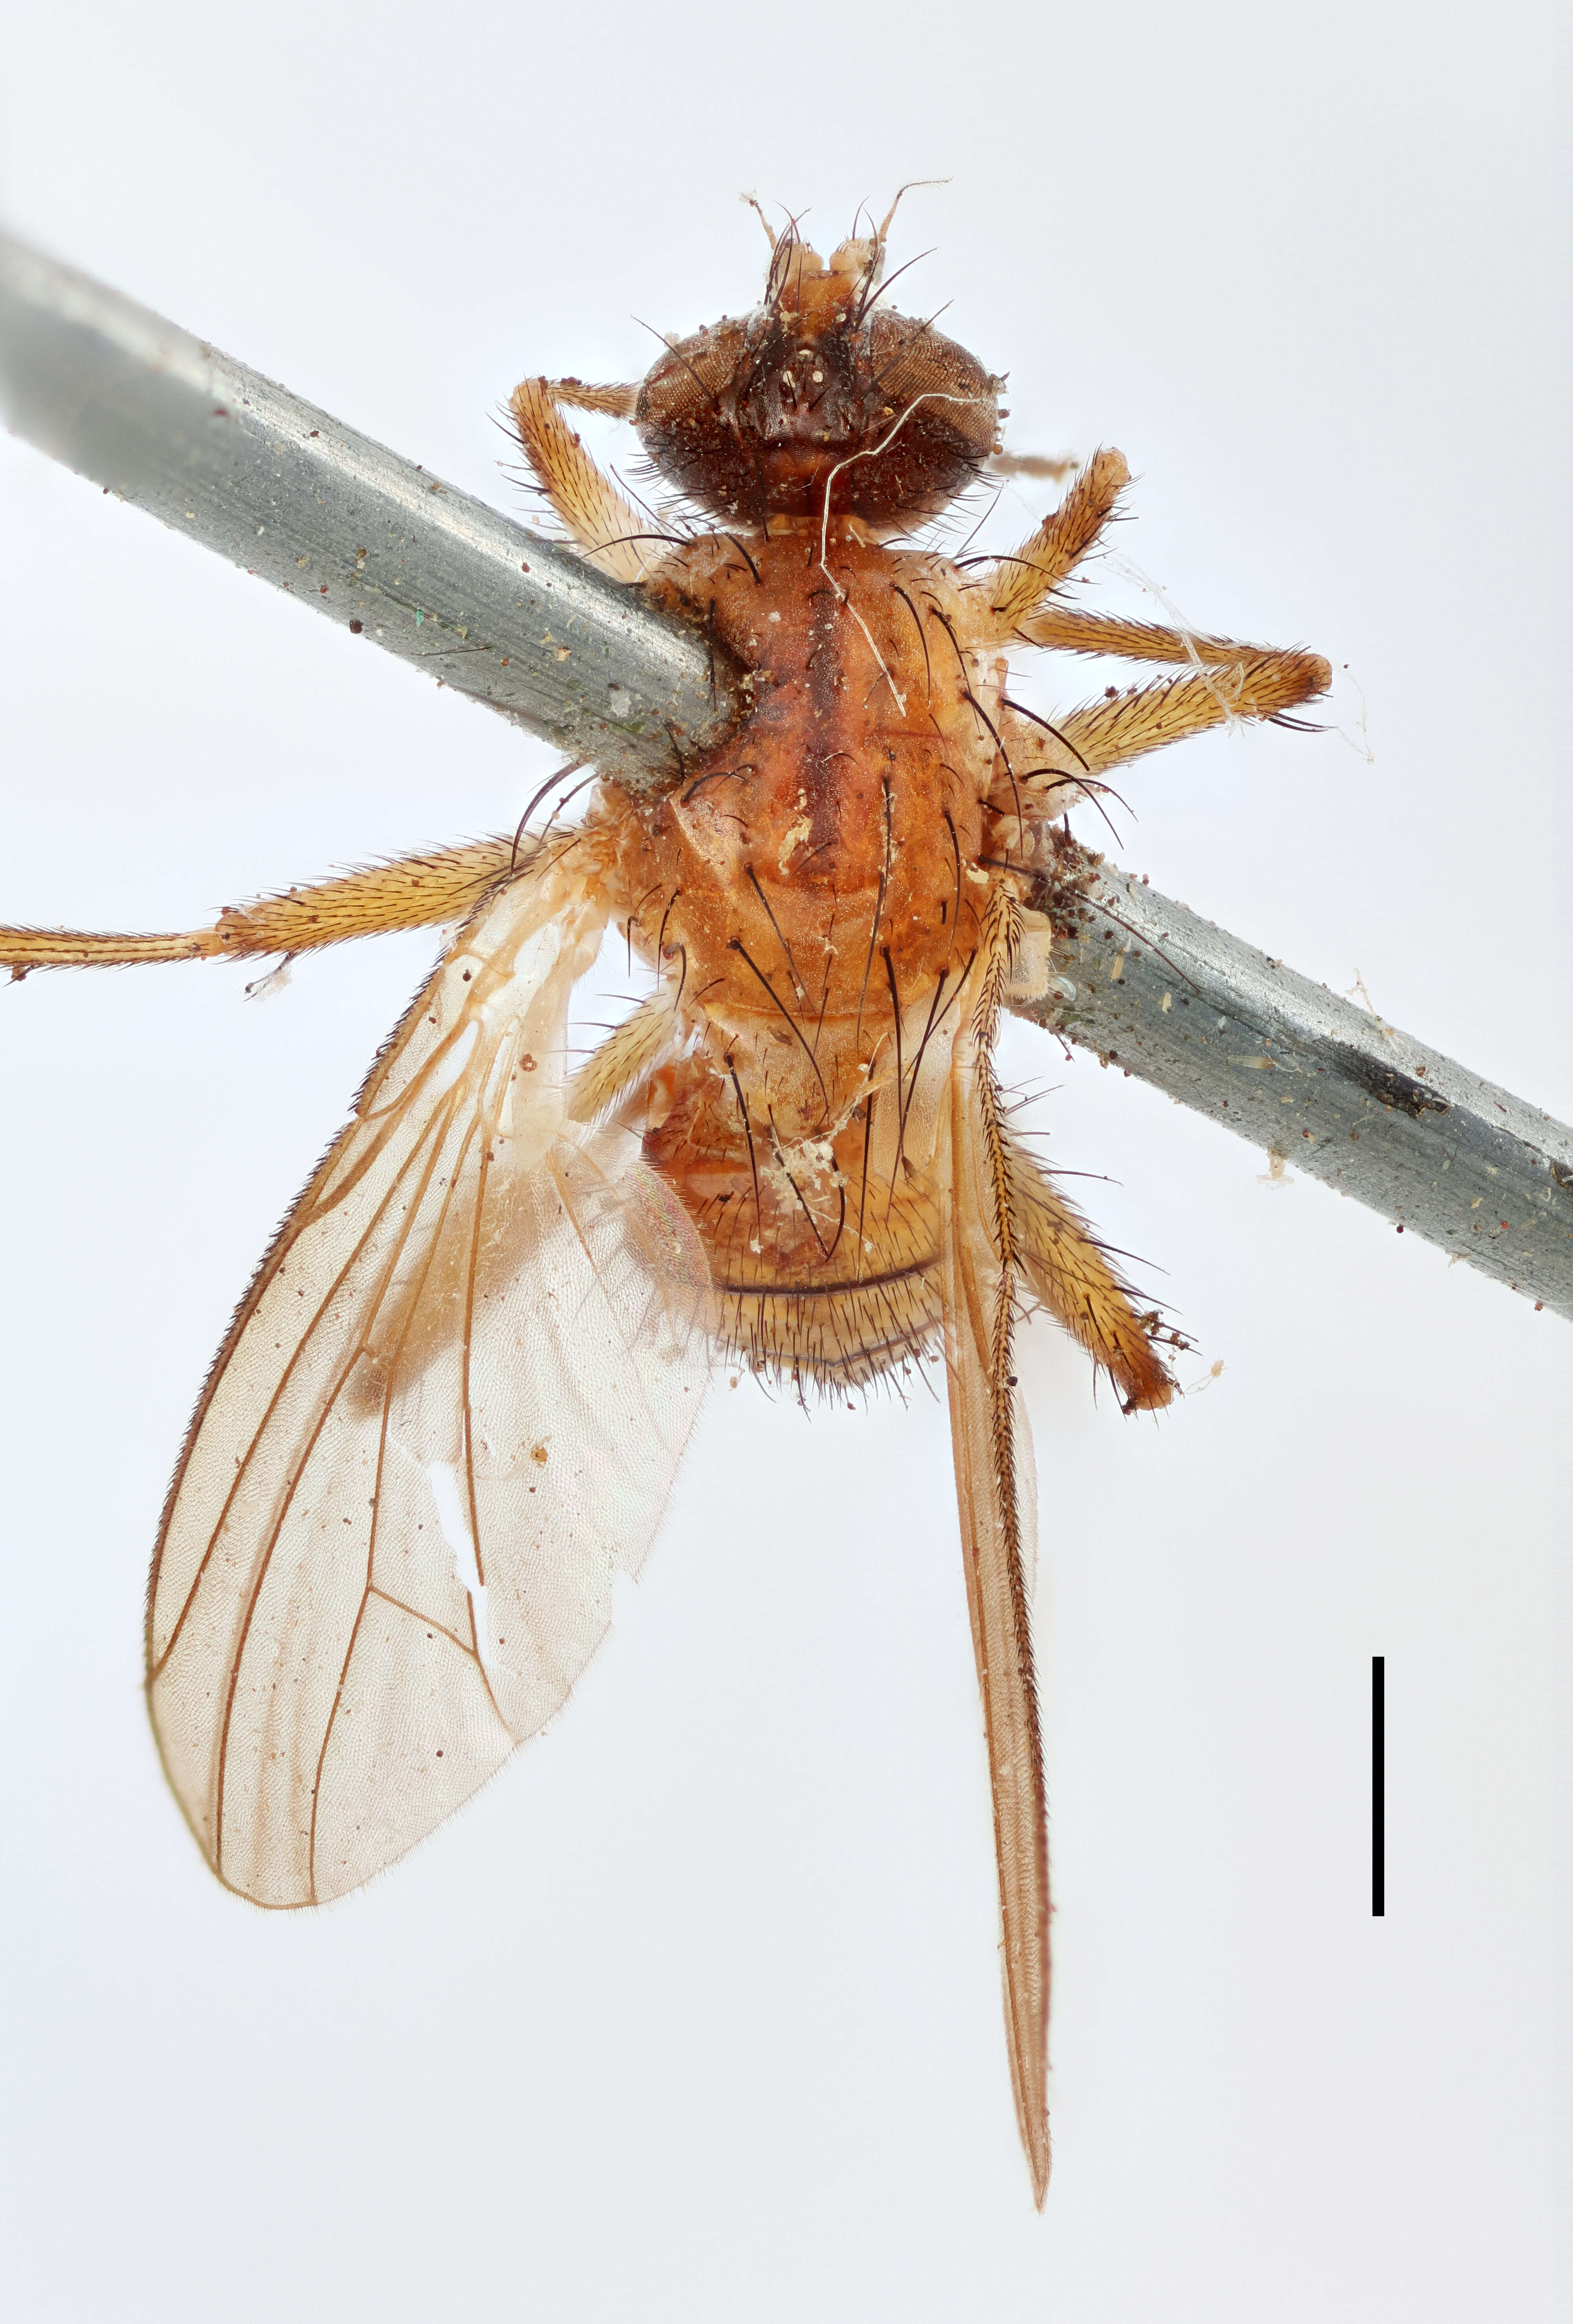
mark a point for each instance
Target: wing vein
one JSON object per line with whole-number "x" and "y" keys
{"x": 264, "y": 1561}
{"x": 333, "y": 1291}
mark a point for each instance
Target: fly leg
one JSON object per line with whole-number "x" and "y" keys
{"x": 1225, "y": 680}
{"x": 1065, "y": 1266}
{"x": 609, "y": 531}
{"x": 980, "y": 1263}
{"x": 1019, "y": 583}
{"x": 1046, "y": 767}
{"x": 418, "y": 891}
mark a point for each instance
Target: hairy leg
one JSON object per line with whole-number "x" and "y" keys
{"x": 418, "y": 891}
{"x": 1259, "y": 683}
{"x": 610, "y": 532}
{"x": 1046, "y": 767}
{"x": 1070, "y": 630}
{"x": 1019, "y": 583}
{"x": 980, "y": 1258}
{"x": 1068, "y": 1269}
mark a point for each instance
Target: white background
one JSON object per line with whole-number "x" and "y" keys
{"x": 695, "y": 2014}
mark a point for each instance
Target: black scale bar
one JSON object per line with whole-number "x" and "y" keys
{"x": 1378, "y": 1786}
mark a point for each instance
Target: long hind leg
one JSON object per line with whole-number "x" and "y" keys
{"x": 980, "y": 1260}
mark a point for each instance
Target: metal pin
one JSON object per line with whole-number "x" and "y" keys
{"x": 231, "y": 460}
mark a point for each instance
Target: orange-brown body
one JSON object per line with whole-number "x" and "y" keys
{"x": 816, "y": 884}
{"x": 814, "y": 897}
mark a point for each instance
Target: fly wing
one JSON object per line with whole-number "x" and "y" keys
{"x": 449, "y": 1408}
{"x": 994, "y": 1488}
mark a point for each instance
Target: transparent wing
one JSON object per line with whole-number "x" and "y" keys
{"x": 450, "y": 1407}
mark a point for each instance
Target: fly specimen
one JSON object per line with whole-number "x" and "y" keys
{"x": 452, "y": 1402}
